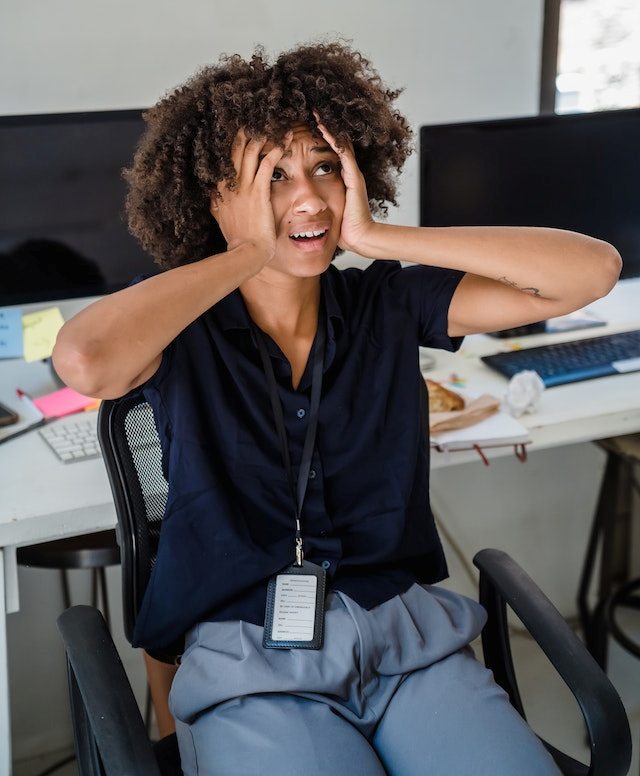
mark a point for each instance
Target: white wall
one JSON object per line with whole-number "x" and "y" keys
{"x": 458, "y": 59}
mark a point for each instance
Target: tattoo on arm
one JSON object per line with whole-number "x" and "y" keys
{"x": 527, "y": 290}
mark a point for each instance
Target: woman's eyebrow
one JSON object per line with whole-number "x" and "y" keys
{"x": 322, "y": 149}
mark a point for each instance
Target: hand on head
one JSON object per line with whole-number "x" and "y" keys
{"x": 308, "y": 192}
{"x": 244, "y": 213}
{"x": 357, "y": 219}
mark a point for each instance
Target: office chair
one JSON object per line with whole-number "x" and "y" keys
{"x": 131, "y": 450}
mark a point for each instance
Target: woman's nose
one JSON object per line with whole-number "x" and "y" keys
{"x": 307, "y": 199}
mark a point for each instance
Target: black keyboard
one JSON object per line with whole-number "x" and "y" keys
{"x": 569, "y": 362}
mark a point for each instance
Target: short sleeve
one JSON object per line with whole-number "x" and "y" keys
{"x": 427, "y": 292}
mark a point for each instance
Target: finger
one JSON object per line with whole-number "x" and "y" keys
{"x": 350, "y": 171}
{"x": 346, "y": 152}
{"x": 271, "y": 158}
{"x": 328, "y": 136}
{"x": 267, "y": 165}
{"x": 250, "y": 160}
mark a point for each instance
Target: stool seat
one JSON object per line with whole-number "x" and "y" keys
{"x": 95, "y": 550}
{"x": 626, "y": 446}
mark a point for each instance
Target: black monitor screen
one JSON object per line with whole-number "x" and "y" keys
{"x": 579, "y": 172}
{"x": 63, "y": 231}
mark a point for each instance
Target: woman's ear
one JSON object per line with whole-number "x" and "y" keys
{"x": 214, "y": 204}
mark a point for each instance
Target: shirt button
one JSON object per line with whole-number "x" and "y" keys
{"x": 323, "y": 533}
{"x": 312, "y": 474}
{"x": 301, "y": 413}
{"x": 326, "y": 564}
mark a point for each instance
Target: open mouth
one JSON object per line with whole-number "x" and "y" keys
{"x": 311, "y": 238}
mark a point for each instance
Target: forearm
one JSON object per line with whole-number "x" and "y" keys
{"x": 553, "y": 264}
{"x": 104, "y": 347}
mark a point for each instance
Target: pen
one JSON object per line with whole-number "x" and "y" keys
{"x": 22, "y": 394}
{"x": 37, "y": 424}
{"x": 26, "y": 397}
{"x": 41, "y": 421}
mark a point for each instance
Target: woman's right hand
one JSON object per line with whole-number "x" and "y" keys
{"x": 244, "y": 214}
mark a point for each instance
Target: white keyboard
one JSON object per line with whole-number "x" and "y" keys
{"x": 73, "y": 439}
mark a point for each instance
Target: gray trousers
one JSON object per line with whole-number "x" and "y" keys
{"x": 395, "y": 690}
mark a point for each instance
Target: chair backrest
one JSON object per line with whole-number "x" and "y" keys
{"x": 133, "y": 457}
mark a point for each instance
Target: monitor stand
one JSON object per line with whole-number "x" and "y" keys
{"x": 580, "y": 319}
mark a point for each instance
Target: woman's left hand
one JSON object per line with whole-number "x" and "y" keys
{"x": 357, "y": 222}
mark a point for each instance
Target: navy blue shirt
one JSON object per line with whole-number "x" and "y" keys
{"x": 229, "y": 520}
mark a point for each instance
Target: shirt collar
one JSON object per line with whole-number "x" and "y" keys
{"x": 232, "y": 313}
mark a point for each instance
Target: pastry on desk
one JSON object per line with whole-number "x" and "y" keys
{"x": 441, "y": 399}
{"x": 449, "y": 411}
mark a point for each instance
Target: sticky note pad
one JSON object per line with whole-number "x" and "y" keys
{"x": 40, "y": 331}
{"x": 10, "y": 332}
{"x": 62, "y": 402}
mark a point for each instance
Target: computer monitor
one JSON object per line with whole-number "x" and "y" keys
{"x": 572, "y": 171}
{"x": 63, "y": 231}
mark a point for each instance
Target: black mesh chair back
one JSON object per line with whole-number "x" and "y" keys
{"x": 133, "y": 457}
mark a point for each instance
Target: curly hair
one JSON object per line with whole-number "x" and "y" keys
{"x": 185, "y": 150}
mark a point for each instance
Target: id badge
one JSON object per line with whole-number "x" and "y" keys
{"x": 295, "y": 608}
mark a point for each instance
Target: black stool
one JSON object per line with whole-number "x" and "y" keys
{"x": 93, "y": 551}
{"x": 612, "y": 533}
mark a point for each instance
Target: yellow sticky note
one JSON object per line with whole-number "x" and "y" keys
{"x": 40, "y": 331}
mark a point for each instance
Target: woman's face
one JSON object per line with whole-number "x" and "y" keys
{"x": 307, "y": 196}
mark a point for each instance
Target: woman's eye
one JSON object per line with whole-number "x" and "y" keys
{"x": 326, "y": 168}
{"x": 276, "y": 175}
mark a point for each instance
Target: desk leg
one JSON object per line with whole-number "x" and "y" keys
{"x": 5, "y": 726}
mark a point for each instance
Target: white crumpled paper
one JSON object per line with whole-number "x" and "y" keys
{"x": 523, "y": 393}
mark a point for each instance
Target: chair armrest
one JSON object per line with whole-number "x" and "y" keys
{"x": 503, "y": 582}
{"x": 111, "y": 715}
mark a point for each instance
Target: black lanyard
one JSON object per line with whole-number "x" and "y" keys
{"x": 297, "y": 492}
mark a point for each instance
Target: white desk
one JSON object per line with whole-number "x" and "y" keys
{"x": 578, "y": 412}
{"x": 43, "y": 499}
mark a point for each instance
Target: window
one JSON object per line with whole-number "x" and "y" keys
{"x": 597, "y": 55}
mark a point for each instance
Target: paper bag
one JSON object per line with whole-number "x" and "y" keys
{"x": 474, "y": 411}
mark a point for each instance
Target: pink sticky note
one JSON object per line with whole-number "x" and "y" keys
{"x": 62, "y": 402}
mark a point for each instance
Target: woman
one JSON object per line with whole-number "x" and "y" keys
{"x": 293, "y": 420}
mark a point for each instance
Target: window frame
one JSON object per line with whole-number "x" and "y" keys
{"x": 549, "y": 59}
